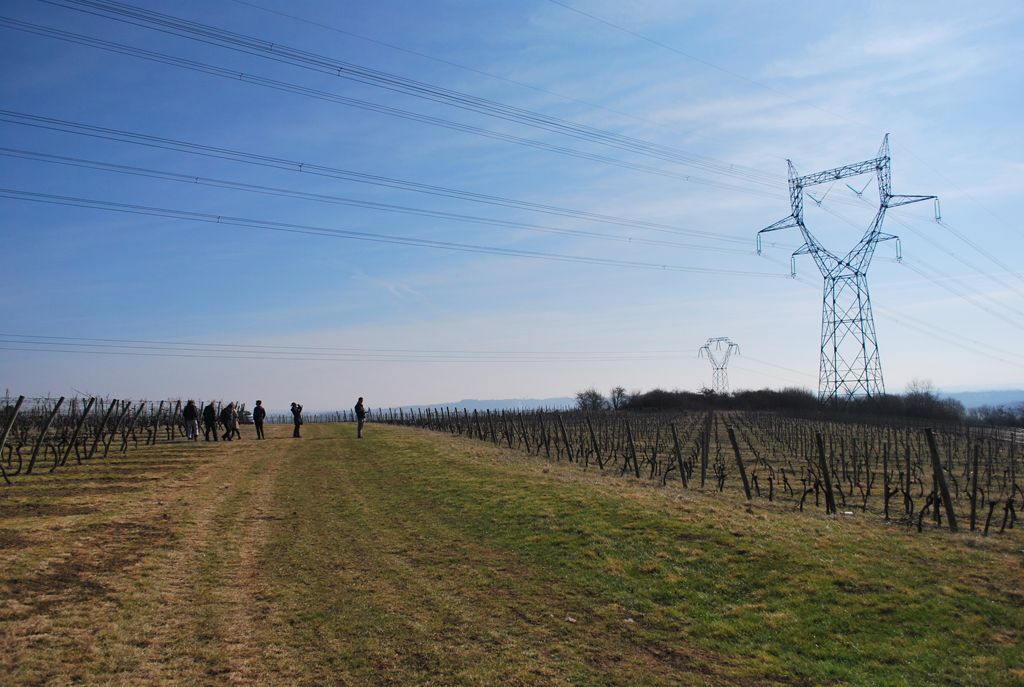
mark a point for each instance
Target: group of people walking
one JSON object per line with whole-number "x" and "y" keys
{"x": 228, "y": 419}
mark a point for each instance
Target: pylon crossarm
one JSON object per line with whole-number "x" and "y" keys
{"x": 896, "y": 201}
{"x": 787, "y": 223}
{"x": 844, "y": 172}
{"x": 891, "y": 237}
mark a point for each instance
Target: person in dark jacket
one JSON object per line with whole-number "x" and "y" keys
{"x": 210, "y": 421}
{"x": 228, "y": 416}
{"x": 360, "y": 416}
{"x": 297, "y": 414}
{"x": 234, "y": 422}
{"x": 190, "y": 414}
{"x": 259, "y": 413}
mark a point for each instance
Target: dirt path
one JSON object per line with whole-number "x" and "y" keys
{"x": 150, "y": 581}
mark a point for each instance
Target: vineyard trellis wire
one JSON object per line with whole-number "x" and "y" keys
{"x": 904, "y": 472}
{"x": 45, "y": 433}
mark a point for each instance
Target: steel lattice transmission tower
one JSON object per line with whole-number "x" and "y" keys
{"x": 850, "y": 366}
{"x": 724, "y": 348}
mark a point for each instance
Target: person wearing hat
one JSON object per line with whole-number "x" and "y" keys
{"x": 297, "y": 414}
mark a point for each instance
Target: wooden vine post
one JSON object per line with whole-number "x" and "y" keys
{"x": 940, "y": 479}
{"x": 974, "y": 484}
{"x": 593, "y": 440}
{"x": 42, "y": 435}
{"x": 830, "y": 499}
{"x": 705, "y": 447}
{"x": 117, "y": 425}
{"x": 102, "y": 428}
{"x": 131, "y": 427}
{"x": 632, "y": 451}
{"x": 74, "y": 437}
{"x": 7, "y": 430}
{"x": 10, "y": 422}
{"x": 565, "y": 438}
{"x": 679, "y": 455}
{"x": 739, "y": 461}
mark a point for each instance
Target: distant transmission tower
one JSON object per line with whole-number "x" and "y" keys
{"x": 850, "y": 366}
{"x": 724, "y": 348}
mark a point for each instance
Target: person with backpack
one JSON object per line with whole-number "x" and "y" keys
{"x": 259, "y": 413}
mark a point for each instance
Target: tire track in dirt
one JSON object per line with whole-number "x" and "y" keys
{"x": 247, "y": 591}
{"x": 210, "y": 585}
{"x": 62, "y": 616}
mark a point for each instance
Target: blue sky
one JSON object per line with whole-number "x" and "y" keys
{"x": 331, "y": 318}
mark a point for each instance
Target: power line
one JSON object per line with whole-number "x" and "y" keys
{"x": 938, "y": 220}
{"x": 335, "y": 349}
{"x": 787, "y": 369}
{"x": 933, "y": 332}
{"x": 109, "y": 134}
{"x": 959, "y": 258}
{"x": 325, "y": 65}
{"x": 109, "y": 346}
{"x": 357, "y": 235}
{"x": 337, "y": 200}
{"x": 295, "y": 89}
{"x": 490, "y": 75}
{"x": 709, "y": 64}
{"x": 960, "y": 294}
{"x": 211, "y": 35}
{"x": 942, "y": 223}
{"x": 766, "y": 374}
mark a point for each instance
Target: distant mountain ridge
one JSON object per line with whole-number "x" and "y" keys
{"x": 501, "y": 404}
{"x": 974, "y": 399}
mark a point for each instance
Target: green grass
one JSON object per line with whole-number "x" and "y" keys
{"x": 413, "y": 558}
{"x": 437, "y": 541}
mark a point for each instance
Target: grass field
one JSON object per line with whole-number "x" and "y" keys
{"x": 412, "y": 558}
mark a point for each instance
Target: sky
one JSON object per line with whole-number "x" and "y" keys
{"x": 425, "y": 202}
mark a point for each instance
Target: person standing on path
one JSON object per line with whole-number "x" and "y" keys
{"x": 190, "y": 414}
{"x": 297, "y": 414}
{"x": 210, "y": 421}
{"x": 360, "y": 416}
{"x": 258, "y": 415}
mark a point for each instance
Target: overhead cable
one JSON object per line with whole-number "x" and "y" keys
{"x": 304, "y": 91}
{"x": 211, "y": 35}
{"x": 489, "y": 75}
{"x": 357, "y": 235}
{"x": 104, "y": 133}
{"x": 72, "y": 344}
{"x": 351, "y": 202}
{"x": 933, "y": 332}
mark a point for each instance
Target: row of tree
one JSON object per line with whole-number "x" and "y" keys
{"x": 920, "y": 401}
